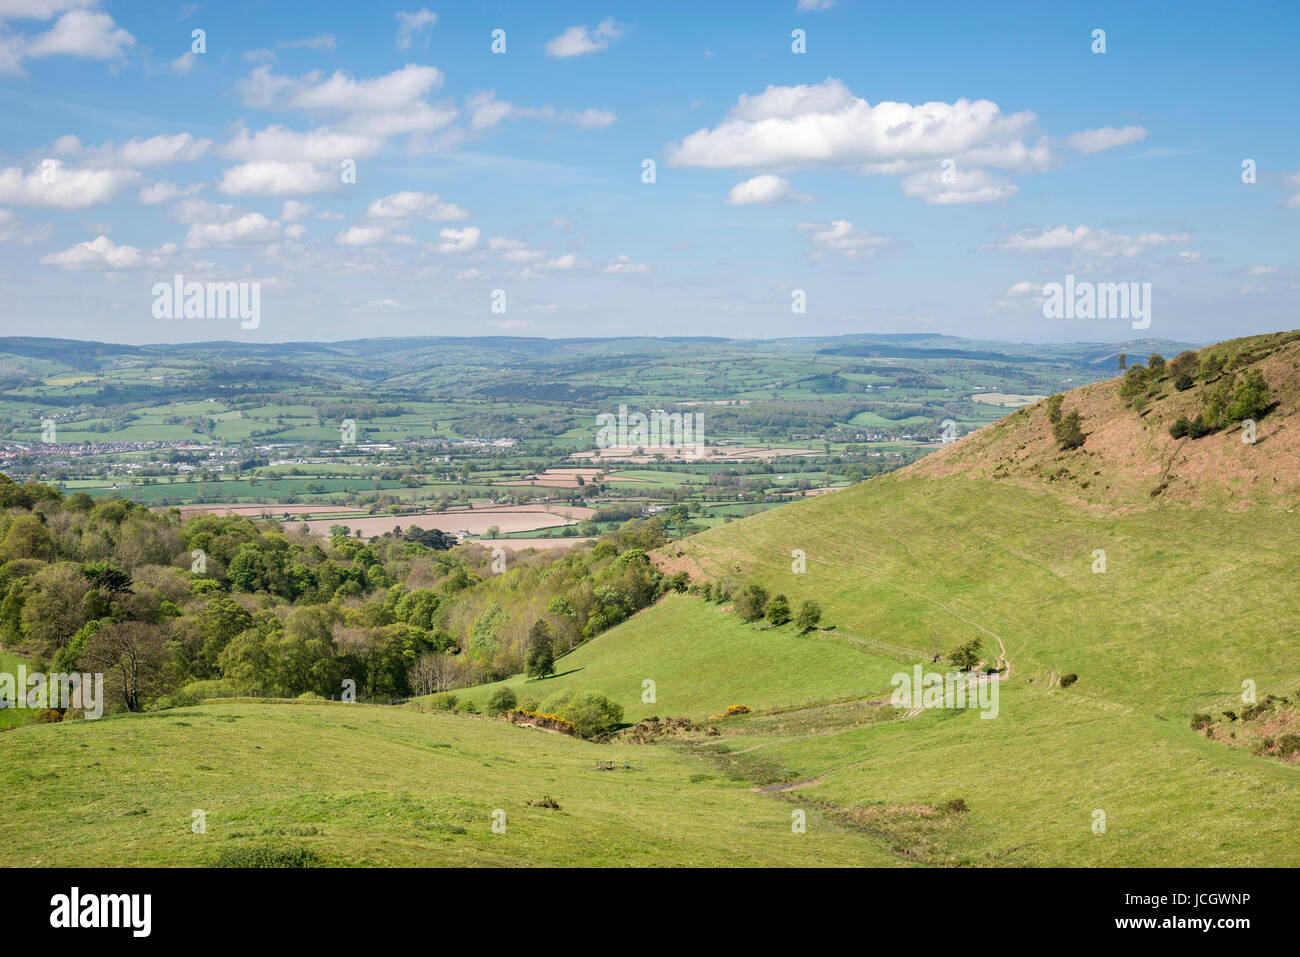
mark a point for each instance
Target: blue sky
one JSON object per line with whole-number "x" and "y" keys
{"x": 908, "y": 172}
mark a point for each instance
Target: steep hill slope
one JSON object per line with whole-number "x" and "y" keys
{"x": 1129, "y": 456}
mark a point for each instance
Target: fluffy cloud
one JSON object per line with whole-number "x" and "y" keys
{"x": 940, "y": 187}
{"x": 339, "y": 92}
{"x": 85, "y": 33}
{"x": 825, "y": 124}
{"x": 275, "y": 178}
{"x": 59, "y": 187}
{"x": 1107, "y": 137}
{"x": 1086, "y": 241}
{"x": 400, "y": 207}
{"x": 161, "y": 150}
{"x": 578, "y": 40}
{"x": 839, "y": 239}
{"x": 411, "y": 24}
{"x": 458, "y": 240}
{"x": 486, "y": 110}
{"x": 278, "y": 143}
{"x": 103, "y": 254}
{"x": 154, "y": 194}
{"x": 248, "y": 229}
{"x": 765, "y": 188}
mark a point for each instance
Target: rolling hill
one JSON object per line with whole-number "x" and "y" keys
{"x": 1061, "y": 563}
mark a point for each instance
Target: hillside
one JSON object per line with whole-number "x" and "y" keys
{"x": 998, "y": 538}
{"x": 1129, "y": 456}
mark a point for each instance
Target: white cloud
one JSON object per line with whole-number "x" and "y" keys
{"x": 458, "y": 240}
{"x": 102, "y": 253}
{"x": 185, "y": 62}
{"x": 154, "y": 194}
{"x": 966, "y": 186}
{"x": 360, "y": 236}
{"x": 623, "y": 264}
{"x": 839, "y": 239}
{"x": 400, "y": 207}
{"x": 824, "y": 124}
{"x": 813, "y": 6}
{"x": 161, "y": 150}
{"x": 410, "y": 24}
{"x": 1094, "y": 141}
{"x": 278, "y": 143}
{"x": 250, "y": 228}
{"x": 1084, "y": 240}
{"x": 339, "y": 92}
{"x": 765, "y": 188}
{"x": 69, "y": 189}
{"x": 292, "y": 211}
{"x": 486, "y": 111}
{"x": 12, "y": 229}
{"x": 274, "y": 178}
{"x": 84, "y": 33}
{"x": 578, "y": 40}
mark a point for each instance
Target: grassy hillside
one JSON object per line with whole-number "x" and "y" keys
{"x": 701, "y": 660}
{"x": 372, "y": 785}
{"x": 1129, "y": 457}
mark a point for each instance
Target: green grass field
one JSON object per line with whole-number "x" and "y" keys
{"x": 363, "y": 785}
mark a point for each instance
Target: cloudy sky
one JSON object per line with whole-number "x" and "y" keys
{"x": 671, "y": 168}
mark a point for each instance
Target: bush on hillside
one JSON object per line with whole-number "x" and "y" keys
{"x": 593, "y": 715}
{"x": 809, "y": 617}
{"x": 502, "y": 700}
{"x": 777, "y": 611}
{"x": 442, "y": 701}
{"x": 751, "y": 602}
{"x": 1067, "y": 680}
{"x": 1069, "y": 431}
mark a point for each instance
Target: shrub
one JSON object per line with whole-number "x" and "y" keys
{"x": 1201, "y": 722}
{"x": 50, "y": 715}
{"x": 809, "y": 617}
{"x": 467, "y": 707}
{"x": 552, "y": 722}
{"x": 442, "y": 701}
{"x": 1134, "y": 382}
{"x": 545, "y": 801}
{"x": 293, "y": 856}
{"x": 956, "y": 806}
{"x": 1156, "y": 363}
{"x": 1069, "y": 431}
{"x": 1185, "y": 364}
{"x": 777, "y": 611}
{"x": 1054, "y": 408}
{"x": 1184, "y": 381}
{"x": 502, "y": 700}
{"x": 592, "y": 714}
{"x": 1067, "y": 680}
{"x": 751, "y": 602}
{"x": 1180, "y": 427}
